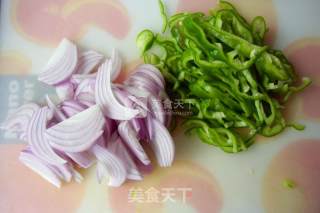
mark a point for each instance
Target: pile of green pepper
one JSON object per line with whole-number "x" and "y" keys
{"x": 218, "y": 63}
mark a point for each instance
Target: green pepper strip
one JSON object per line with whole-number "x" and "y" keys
{"x": 163, "y": 16}
{"x": 218, "y": 65}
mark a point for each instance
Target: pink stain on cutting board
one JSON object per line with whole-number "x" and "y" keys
{"x": 48, "y": 21}
{"x": 304, "y": 55}
{"x": 299, "y": 162}
{"x": 22, "y": 190}
{"x": 311, "y": 102}
{"x": 203, "y": 193}
{"x": 13, "y": 62}
{"x": 248, "y": 8}
{"x": 203, "y": 196}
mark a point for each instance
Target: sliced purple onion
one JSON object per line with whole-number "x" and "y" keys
{"x": 122, "y": 96}
{"x": 77, "y": 176}
{"x": 86, "y": 86}
{"x": 143, "y": 84}
{"x": 116, "y": 64}
{"x": 63, "y": 171}
{"x": 85, "y": 92}
{"x": 86, "y": 99}
{"x": 130, "y": 137}
{"x": 36, "y": 138}
{"x": 57, "y": 113}
{"x": 132, "y": 102}
{"x": 117, "y": 147}
{"x": 61, "y": 65}
{"x": 151, "y": 72}
{"x": 95, "y": 120}
{"x": 77, "y": 133}
{"x": 143, "y": 133}
{"x": 68, "y": 111}
{"x": 149, "y": 124}
{"x": 83, "y": 159}
{"x": 140, "y": 102}
{"x": 66, "y": 172}
{"x": 88, "y": 60}
{"x": 73, "y": 104}
{"x": 111, "y": 163}
{"x": 65, "y": 91}
{"x": 19, "y": 120}
{"x": 71, "y": 108}
{"x": 156, "y": 108}
{"x": 168, "y": 112}
{"x": 77, "y": 78}
{"x": 39, "y": 167}
{"x": 110, "y": 128}
{"x": 145, "y": 169}
{"x": 147, "y": 79}
{"x": 135, "y": 125}
{"x": 101, "y": 171}
{"x": 105, "y": 98}
{"x": 162, "y": 144}
{"x": 138, "y": 92}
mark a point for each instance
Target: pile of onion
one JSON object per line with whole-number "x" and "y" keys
{"x": 95, "y": 120}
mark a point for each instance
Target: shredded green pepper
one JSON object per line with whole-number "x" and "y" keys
{"x": 163, "y": 16}
{"x": 220, "y": 67}
{"x": 145, "y": 40}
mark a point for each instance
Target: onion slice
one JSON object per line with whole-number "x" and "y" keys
{"x": 83, "y": 159}
{"x": 152, "y": 73}
{"x": 147, "y": 79}
{"x": 101, "y": 171}
{"x": 95, "y": 120}
{"x": 63, "y": 171}
{"x": 162, "y": 144}
{"x": 19, "y": 120}
{"x": 88, "y": 60}
{"x": 116, "y": 64}
{"x": 111, "y": 163}
{"x": 86, "y": 86}
{"x": 71, "y": 108}
{"x": 77, "y": 176}
{"x": 86, "y": 99}
{"x": 118, "y": 148}
{"x": 57, "y": 113}
{"x": 77, "y": 133}
{"x": 157, "y": 109}
{"x": 65, "y": 91}
{"x": 105, "y": 98}
{"x": 129, "y": 136}
{"x": 39, "y": 167}
{"x": 85, "y": 92}
{"x": 110, "y": 128}
{"x": 77, "y": 78}
{"x": 37, "y": 140}
{"x": 149, "y": 125}
{"x": 141, "y": 102}
{"x": 144, "y": 84}
{"x": 61, "y": 65}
